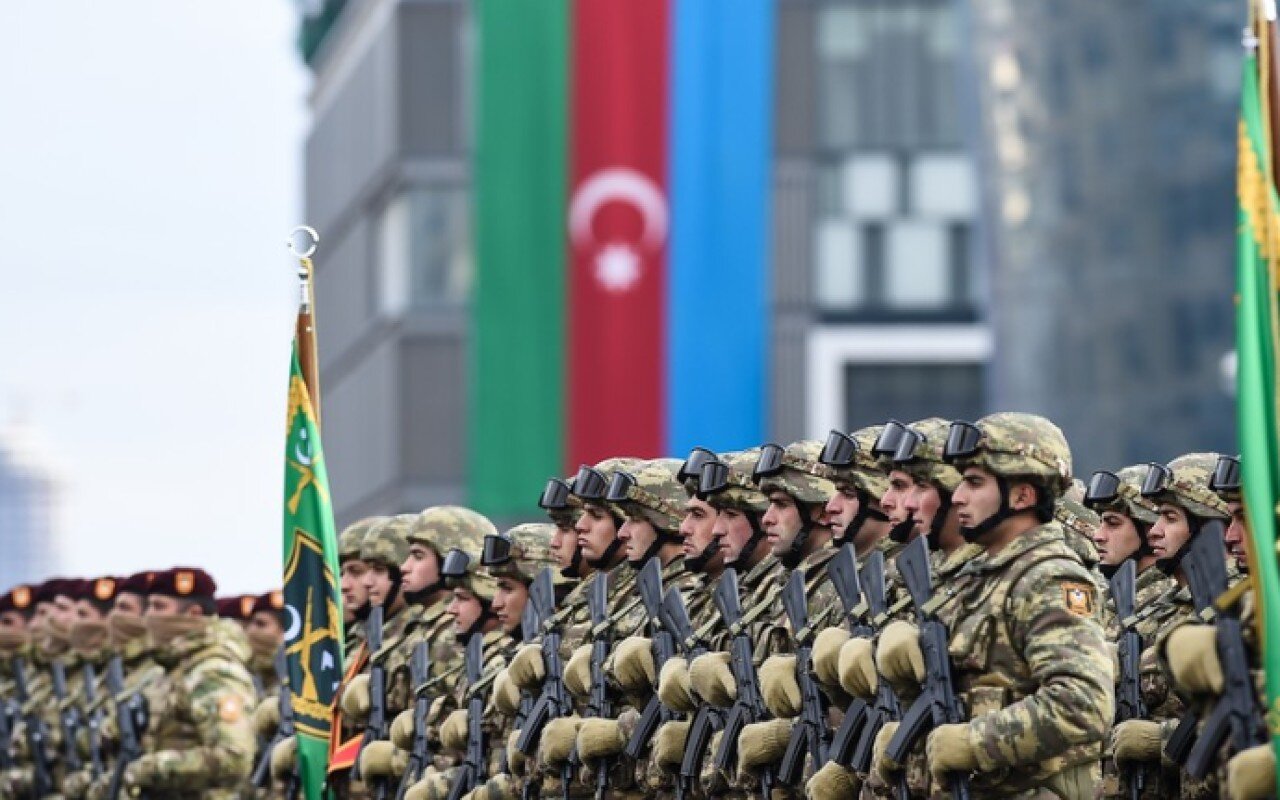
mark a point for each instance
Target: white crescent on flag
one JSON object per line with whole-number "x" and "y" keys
{"x": 618, "y": 185}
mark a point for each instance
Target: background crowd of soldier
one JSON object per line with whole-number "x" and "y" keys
{"x": 932, "y": 609}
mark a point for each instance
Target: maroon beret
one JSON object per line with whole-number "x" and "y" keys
{"x": 184, "y": 582}
{"x": 272, "y": 601}
{"x": 103, "y": 590}
{"x": 19, "y": 598}
{"x": 137, "y": 583}
{"x": 238, "y": 606}
{"x": 47, "y": 591}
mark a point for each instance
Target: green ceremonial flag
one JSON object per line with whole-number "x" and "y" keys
{"x": 1257, "y": 243}
{"x": 313, "y": 641}
{"x": 518, "y": 327}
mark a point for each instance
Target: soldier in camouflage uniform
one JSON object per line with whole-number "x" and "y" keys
{"x": 1124, "y": 519}
{"x": 200, "y": 740}
{"x": 90, "y": 636}
{"x": 1029, "y": 658}
{"x": 854, "y": 512}
{"x": 1184, "y": 502}
{"x": 237, "y": 608}
{"x": 265, "y": 631}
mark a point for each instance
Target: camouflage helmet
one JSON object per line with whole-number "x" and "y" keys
{"x": 795, "y": 470}
{"x": 919, "y": 454}
{"x": 736, "y": 490}
{"x": 1120, "y": 491}
{"x": 591, "y": 483}
{"x": 444, "y": 528}
{"x": 386, "y": 544}
{"x": 520, "y": 553}
{"x": 1184, "y": 482}
{"x": 1079, "y": 522}
{"x": 651, "y": 491}
{"x": 851, "y": 463}
{"x": 559, "y": 501}
{"x": 1012, "y": 444}
{"x": 352, "y": 537}
{"x": 461, "y": 569}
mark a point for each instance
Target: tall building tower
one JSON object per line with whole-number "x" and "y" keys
{"x": 28, "y": 496}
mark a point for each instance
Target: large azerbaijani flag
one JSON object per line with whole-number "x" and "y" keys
{"x": 622, "y": 214}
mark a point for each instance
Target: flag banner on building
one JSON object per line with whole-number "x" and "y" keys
{"x": 1257, "y": 259}
{"x": 313, "y": 604}
{"x": 622, "y": 215}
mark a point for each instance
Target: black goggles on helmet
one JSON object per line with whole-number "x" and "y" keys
{"x": 887, "y": 442}
{"x": 1102, "y": 490}
{"x": 839, "y": 450}
{"x": 496, "y": 550}
{"x": 555, "y": 496}
{"x": 963, "y": 439}
{"x": 590, "y": 484}
{"x": 691, "y": 469}
{"x": 1157, "y": 479}
{"x": 907, "y": 444}
{"x": 1226, "y": 475}
{"x": 455, "y": 564}
{"x": 620, "y": 487}
{"x": 769, "y": 463}
{"x": 714, "y": 478}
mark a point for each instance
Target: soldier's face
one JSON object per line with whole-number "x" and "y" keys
{"x": 377, "y": 583}
{"x": 781, "y": 522}
{"x": 596, "y": 531}
{"x": 64, "y": 611}
{"x": 841, "y": 509}
{"x": 12, "y": 621}
{"x": 508, "y": 603}
{"x": 43, "y": 611}
{"x": 266, "y": 624}
{"x": 1234, "y": 536}
{"x": 734, "y": 529}
{"x": 922, "y": 502}
{"x": 977, "y": 497}
{"x": 162, "y": 605}
{"x": 466, "y": 610}
{"x": 354, "y": 595}
{"x": 130, "y": 603}
{"x": 421, "y": 569}
{"x": 1116, "y": 538}
{"x": 892, "y": 502}
{"x": 1170, "y": 532}
{"x": 698, "y": 526}
{"x": 564, "y": 543}
{"x": 638, "y": 535}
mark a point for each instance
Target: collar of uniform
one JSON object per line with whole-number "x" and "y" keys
{"x": 959, "y": 559}
{"x": 1038, "y": 536}
{"x": 674, "y": 570}
{"x": 760, "y": 570}
{"x": 1149, "y": 577}
{"x": 434, "y": 612}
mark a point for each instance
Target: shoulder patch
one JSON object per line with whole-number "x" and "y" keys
{"x": 1079, "y": 598}
{"x": 230, "y": 708}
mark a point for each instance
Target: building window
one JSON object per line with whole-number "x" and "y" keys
{"x": 424, "y": 249}
{"x": 874, "y": 393}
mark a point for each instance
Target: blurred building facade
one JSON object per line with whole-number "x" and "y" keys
{"x": 902, "y": 285}
{"x": 28, "y": 493}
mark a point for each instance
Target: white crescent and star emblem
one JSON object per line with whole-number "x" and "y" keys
{"x": 295, "y": 624}
{"x": 618, "y": 263}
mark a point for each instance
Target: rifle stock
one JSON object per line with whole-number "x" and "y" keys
{"x": 749, "y": 705}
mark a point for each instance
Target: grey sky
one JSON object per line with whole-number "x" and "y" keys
{"x": 149, "y": 171}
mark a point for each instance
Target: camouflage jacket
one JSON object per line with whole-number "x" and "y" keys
{"x": 1030, "y": 660}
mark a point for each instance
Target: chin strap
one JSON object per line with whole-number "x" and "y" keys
{"x": 477, "y": 627}
{"x": 363, "y": 611}
{"x": 1170, "y": 565}
{"x": 934, "y": 534}
{"x": 865, "y": 512}
{"x": 989, "y": 524}
{"x": 901, "y": 533}
{"x": 661, "y": 540}
{"x": 420, "y": 597}
{"x": 574, "y": 570}
{"x": 757, "y": 536}
{"x": 602, "y": 562}
{"x": 795, "y": 553}
{"x": 699, "y": 562}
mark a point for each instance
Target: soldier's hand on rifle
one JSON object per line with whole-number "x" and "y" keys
{"x": 382, "y": 759}
{"x": 826, "y": 656}
{"x": 1251, "y": 774}
{"x": 558, "y": 739}
{"x": 515, "y": 759}
{"x": 433, "y": 786}
{"x": 527, "y": 669}
{"x": 577, "y": 673}
{"x": 675, "y": 690}
{"x": 778, "y": 685}
{"x": 599, "y": 738}
{"x": 453, "y": 732}
{"x": 1192, "y": 651}
{"x": 633, "y": 666}
{"x": 506, "y": 695}
{"x": 884, "y": 766}
{"x": 669, "y": 742}
{"x": 356, "y": 701}
{"x": 832, "y": 782}
{"x": 284, "y": 759}
{"x": 1135, "y": 740}
{"x": 762, "y": 744}
{"x": 898, "y": 655}
{"x": 266, "y": 717}
{"x": 402, "y": 730}
{"x": 144, "y": 771}
{"x": 949, "y": 750}
{"x": 713, "y": 680}
{"x": 857, "y": 668}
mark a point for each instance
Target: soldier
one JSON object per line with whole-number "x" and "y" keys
{"x": 563, "y": 508}
{"x": 265, "y": 630}
{"x": 237, "y": 607}
{"x": 200, "y": 741}
{"x": 1028, "y": 657}
{"x": 355, "y": 598}
{"x": 90, "y": 636}
{"x": 854, "y": 511}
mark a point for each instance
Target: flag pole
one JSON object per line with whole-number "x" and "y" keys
{"x": 306, "y": 330}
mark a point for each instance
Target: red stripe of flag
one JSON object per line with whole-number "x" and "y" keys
{"x": 618, "y": 225}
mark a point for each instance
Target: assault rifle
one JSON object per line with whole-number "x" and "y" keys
{"x": 284, "y": 730}
{"x": 37, "y": 735}
{"x": 937, "y": 704}
{"x": 377, "y": 725}
{"x": 749, "y": 706}
{"x": 598, "y": 704}
{"x": 664, "y": 647}
{"x": 419, "y": 754}
{"x": 68, "y": 717}
{"x": 843, "y": 571}
{"x": 810, "y": 735}
{"x": 472, "y": 772}
{"x": 1129, "y": 703}
{"x": 553, "y": 701}
{"x": 886, "y": 706}
{"x": 132, "y": 717}
{"x": 708, "y": 719}
{"x": 93, "y": 719}
{"x": 1236, "y": 712}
